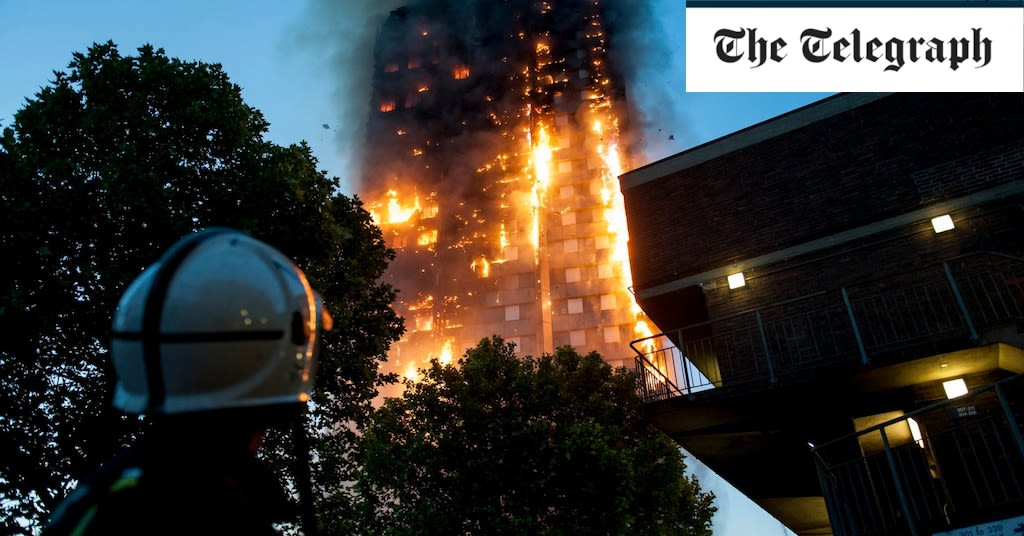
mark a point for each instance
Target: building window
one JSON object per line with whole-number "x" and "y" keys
{"x": 511, "y": 253}
{"x": 511, "y": 313}
{"x": 572, "y": 245}
{"x": 460, "y": 72}
{"x": 569, "y": 218}
{"x": 566, "y": 192}
{"x": 607, "y": 302}
{"x": 414, "y": 63}
{"x": 604, "y": 270}
{"x": 611, "y": 334}
{"x": 572, "y": 275}
{"x": 575, "y": 306}
{"x": 578, "y": 337}
{"x": 602, "y": 242}
{"x": 387, "y": 106}
{"x": 391, "y": 68}
{"x": 565, "y": 166}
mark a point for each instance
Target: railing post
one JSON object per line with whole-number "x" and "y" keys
{"x": 960, "y": 301}
{"x": 764, "y": 343}
{"x": 641, "y": 378}
{"x": 682, "y": 362}
{"x": 831, "y": 505}
{"x": 856, "y": 329}
{"x": 907, "y": 514}
{"x": 1010, "y": 419}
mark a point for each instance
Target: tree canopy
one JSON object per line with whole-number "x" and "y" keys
{"x": 100, "y": 172}
{"x": 504, "y": 445}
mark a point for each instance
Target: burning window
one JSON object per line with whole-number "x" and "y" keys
{"x": 387, "y": 106}
{"x": 424, "y": 322}
{"x": 427, "y": 238}
{"x": 460, "y": 72}
{"x": 414, "y": 63}
{"x": 400, "y": 132}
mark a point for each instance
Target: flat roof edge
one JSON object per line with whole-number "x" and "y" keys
{"x": 746, "y": 137}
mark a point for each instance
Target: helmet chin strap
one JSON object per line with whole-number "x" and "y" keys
{"x": 303, "y": 479}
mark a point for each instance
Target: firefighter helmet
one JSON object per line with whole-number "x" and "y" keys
{"x": 221, "y": 321}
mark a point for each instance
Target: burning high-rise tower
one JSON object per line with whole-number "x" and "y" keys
{"x": 491, "y": 166}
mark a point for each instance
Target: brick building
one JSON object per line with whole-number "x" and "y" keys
{"x": 815, "y": 302}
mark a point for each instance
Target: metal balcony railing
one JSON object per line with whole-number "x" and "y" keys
{"x": 951, "y": 464}
{"x": 959, "y": 299}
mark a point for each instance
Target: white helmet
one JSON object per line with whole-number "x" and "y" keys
{"x": 221, "y": 321}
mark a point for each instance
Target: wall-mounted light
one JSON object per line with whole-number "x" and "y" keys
{"x": 955, "y": 388}
{"x": 942, "y": 223}
{"x": 736, "y": 280}
{"x": 915, "y": 432}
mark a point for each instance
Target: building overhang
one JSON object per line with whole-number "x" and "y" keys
{"x": 709, "y": 278}
{"x": 777, "y": 126}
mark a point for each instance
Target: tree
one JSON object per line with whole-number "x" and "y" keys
{"x": 502, "y": 445}
{"x": 99, "y": 173}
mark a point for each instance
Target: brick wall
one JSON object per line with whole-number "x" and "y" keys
{"x": 887, "y": 157}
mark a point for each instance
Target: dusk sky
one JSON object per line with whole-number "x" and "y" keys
{"x": 302, "y": 63}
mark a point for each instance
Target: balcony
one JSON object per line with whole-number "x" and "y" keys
{"x": 751, "y": 394}
{"x": 964, "y": 301}
{"x": 951, "y": 464}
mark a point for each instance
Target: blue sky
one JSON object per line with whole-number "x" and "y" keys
{"x": 299, "y": 63}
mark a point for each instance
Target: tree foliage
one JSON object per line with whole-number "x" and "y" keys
{"x": 502, "y": 445}
{"x": 99, "y": 173}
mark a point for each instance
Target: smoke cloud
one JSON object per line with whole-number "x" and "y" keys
{"x": 640, "y": 47}
{"x": 343, "y": 32}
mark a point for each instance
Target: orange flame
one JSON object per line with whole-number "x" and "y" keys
{"x": 481, "y": 266}
{"x": 446, "y": 355}
{"x": 542, "y": 157}
{"x": 396, "y": 211}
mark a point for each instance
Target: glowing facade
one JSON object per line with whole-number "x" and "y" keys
{"x": 491, "y": 166}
